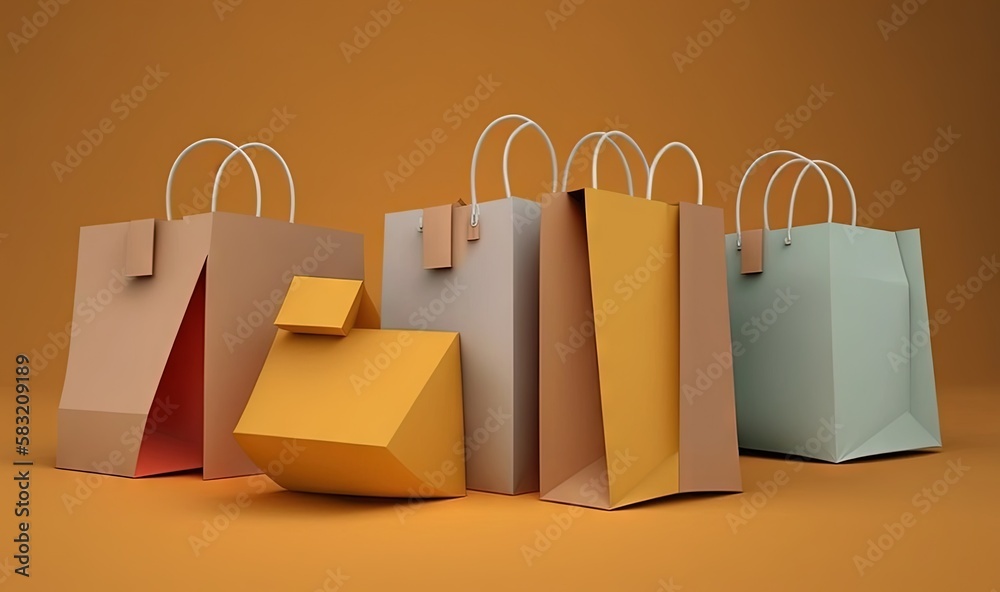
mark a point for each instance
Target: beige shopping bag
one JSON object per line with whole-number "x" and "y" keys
{"x": 157, "y": 378}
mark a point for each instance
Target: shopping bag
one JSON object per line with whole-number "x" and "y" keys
{"x": 823, "y": 319}
{"x": 474, "y": 269}
{"x": 159, "y": 371}
{"x": 636, "y": 391}
{"x": 344, "y": 407}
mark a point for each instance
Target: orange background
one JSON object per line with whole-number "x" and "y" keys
{"x": 230, "y": 67}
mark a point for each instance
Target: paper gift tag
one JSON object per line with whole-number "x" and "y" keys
{"x": 437, "y": 237}
{"x": 139, "y": 248}
{"x": 752, "y": 252}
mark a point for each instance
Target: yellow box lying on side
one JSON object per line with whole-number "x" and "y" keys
{"x": 356, "y": 410}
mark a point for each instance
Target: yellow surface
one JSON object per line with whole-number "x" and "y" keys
{"x": 373, "y": 413}
{"x": 634, "y": 350}
{"x": 804, "y": 537}
{"x": 428, "y": 441}
{"x": 323, "y": 306}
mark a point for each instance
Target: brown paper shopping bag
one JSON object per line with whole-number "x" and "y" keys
{"x": 159, "y": 372}
{"x": 635, "y": 364}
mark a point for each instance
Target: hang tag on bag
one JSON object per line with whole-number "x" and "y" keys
{"x": 752, "y": 252}
{"x": 139, "y": 248}
{"x": 437, "y": 237}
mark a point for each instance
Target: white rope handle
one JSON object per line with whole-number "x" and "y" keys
{"x": 795, "y": 191}
{"x": 597, "y": 152}
{"x": 475, "y": 158}
{"x": 774, "y": 177}
{"x": 180, "y": 157}
{"x": 579, "y": 144}
{"x": 694, "y": 159}
{"x": 288, "y": 174}
{"x": 506, "y": 157}
{"x": 746, "y": 175}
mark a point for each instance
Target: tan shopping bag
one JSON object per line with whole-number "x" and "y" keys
{"x": 635, "y": 364}
{"x": 157, "y": 378}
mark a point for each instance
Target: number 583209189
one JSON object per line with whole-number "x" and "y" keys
{"x": 22, "y": 413}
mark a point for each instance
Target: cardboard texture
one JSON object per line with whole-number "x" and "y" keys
{"x": 161, "y": 365}
{"x": 752, "y": 251}
{"x": 139, "y": 249}
{"x": 824, "y": 372}
{"x": 490, "y": 296}
{"x": 436, "y": 229}
{"x": 632, "y": 312}
{"x": 325, "y": 308}
{"x": 372, "y": 412}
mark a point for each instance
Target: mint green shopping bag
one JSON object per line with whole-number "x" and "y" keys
{"x": 831, "y": 352}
